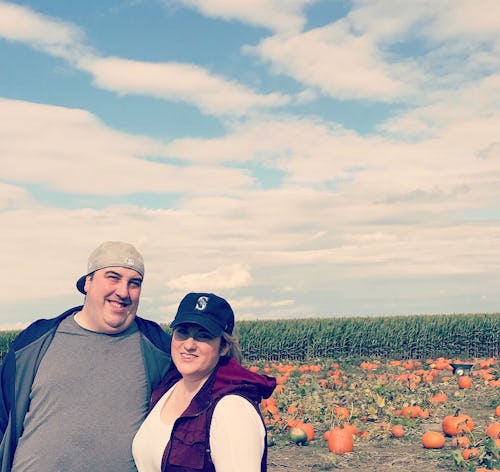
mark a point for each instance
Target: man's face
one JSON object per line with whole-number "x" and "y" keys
{"x": 112, "y": 299}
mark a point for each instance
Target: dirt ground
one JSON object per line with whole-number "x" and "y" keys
{"x": 390, "y": 455}
{"x": 399, "y": 457}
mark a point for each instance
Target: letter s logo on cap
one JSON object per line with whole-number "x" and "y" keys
{"x": 201, "y": 303}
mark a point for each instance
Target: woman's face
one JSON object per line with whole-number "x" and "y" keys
{"x": 195, "y": 352}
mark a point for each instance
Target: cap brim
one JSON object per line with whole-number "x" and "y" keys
{"x": 80, "y": 284}
{"x": 214, "y": 329}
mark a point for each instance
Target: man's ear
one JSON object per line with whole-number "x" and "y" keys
{"x": 87, "y": 281}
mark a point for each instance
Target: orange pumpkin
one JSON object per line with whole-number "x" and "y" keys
{"x": 273, "y": 409}
{"x": 293, "y": 422}
{"x": 460, "y": 441}
{"x": 439, "y": 397}
{"x": 493, "y": 430}
{"x": 424, "y": 414}
{"x": 397, "y": 431}
{"x": 341, "y": 412}
{"x": 351, "y": 427}
{"x": 464, "y": 381}
{"x": 278, "y": 389}
{"x": 497, "y": 411}
{"x": 412, "y": 411}
{"x": 457, "y": 423}
{"x": 470, "y": 453}
{"x": 363, "y": 433}
{"x": 340, "y": 440}
{"x": 433, "y": 440}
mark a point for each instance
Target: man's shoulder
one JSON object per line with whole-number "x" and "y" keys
{"x": 40, "y": 327}
{"x": 153, "y": 331}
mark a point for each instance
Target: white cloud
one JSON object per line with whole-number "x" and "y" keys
{"x": 272, "y": 232}
{"x": 211, "y": 93}
{"x": 226, "y": 277}
{"x": 355, "y": 167}
{"x": 251, "y": 308}
{"x": 48, "y": 143}
{"x": 356, "y": 57}
{"x": 337, "y": 63}
{"x": 402, "y": 211}
{"x": 276, "y": 15}
{"x": 491, "y": 151}
{"x": 215, "y": 95}
{"x": 462, "y": 19}
{"x": 19, "y": 23}
{"x": 281, "y": 303}
{"x": 247, "y": 302}
{"x": 13, "y": 197}
{"x": 442, "y": 109}
{"x": 415, "y": 200}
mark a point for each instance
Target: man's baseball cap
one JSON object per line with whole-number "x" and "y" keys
{"x": 207, "y": 310}
{"x": 112, "y": 254}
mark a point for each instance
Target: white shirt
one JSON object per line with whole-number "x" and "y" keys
{"x": 237, "y": 437}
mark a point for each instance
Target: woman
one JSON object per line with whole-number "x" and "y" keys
{"x": 205, "y": 414}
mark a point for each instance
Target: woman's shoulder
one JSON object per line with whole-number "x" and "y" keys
{"x": 234, "y": 401}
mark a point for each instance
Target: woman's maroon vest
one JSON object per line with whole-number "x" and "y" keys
{"x": 189, "y": 447}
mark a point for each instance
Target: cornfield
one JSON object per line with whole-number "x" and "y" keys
{"x": 416, "y": 337}
{"x": 389, "y": 337}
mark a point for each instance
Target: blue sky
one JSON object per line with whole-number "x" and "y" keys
{"x": 302, "y": 158}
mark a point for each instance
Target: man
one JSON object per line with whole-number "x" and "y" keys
{"x": 75, "y": 388}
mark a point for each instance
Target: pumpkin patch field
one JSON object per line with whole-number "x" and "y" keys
{"x": 411, "y": 393}
{"x": 380, "y": 393}
{"x": 390, "y": 415}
